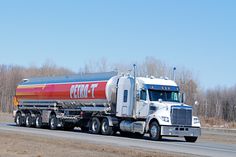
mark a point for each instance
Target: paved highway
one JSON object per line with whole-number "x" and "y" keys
{"x": 175, "y": 145}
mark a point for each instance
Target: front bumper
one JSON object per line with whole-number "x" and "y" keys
{"x": 180, "y": 131}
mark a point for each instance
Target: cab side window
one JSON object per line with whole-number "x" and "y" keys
{"x": 143, "y": 95}
{"x": 125, "y": 96}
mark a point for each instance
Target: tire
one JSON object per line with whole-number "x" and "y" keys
{"x": 28, "y": 120}
{"x": 19, "y": 119}
{"x": 95, "y": 126}
{"x": 53, "y": 122}
{"x": 105, "y": 128}
{"x": 38, "y": 121}
{"x": 154, "y": 131}
{"x": 190, "y": 139}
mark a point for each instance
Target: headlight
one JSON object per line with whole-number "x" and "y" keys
{"x": 165, "y": 119}
{"x": 196, "y": 120}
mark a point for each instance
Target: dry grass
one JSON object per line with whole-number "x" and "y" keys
{"x": 6, "y": 117}
{"x": 20, "y": 145}
{"x": 216, "y": 123}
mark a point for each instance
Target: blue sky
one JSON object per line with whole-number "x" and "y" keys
{"x": 198, "y": 35}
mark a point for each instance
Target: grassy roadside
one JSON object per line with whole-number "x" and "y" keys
{"x": 15, "y": 145}
{"x": 6, "y": 117}
{"x": 217, "y": 123}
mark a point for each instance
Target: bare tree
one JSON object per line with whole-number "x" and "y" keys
{"x": 11, "y": 75}
{"x": 153, "y": 67}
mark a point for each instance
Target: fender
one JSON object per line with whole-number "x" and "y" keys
{"x": 112, "y": 121}
{"x": 150, "y": 118}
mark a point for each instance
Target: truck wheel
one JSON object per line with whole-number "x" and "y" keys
{"x": 38, "y": 121}
{"x": 19, "y": 119}
{"x": 53, "y": 122}
{"x": 190, "y": 139}
{"x": 28, "y": 120}
{"x": 95, "y": 126}
{"x": 154, "y": 131}
{"x": 106, "y": 129}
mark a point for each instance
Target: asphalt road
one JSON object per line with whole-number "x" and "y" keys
{"x": 175, "y": 145}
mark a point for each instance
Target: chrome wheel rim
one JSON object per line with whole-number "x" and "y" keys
{"x": 95, "y": 126}
{"x": 104, "y": 127}
{"x": 37, "y": 121}
{"x": 52, "y": 123}
{"x": 18, "y": 120}
{"x": 27, "y": 121}
{"x": 153, "y": 131}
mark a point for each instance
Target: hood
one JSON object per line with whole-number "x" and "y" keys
{"x": 168, "y": 104}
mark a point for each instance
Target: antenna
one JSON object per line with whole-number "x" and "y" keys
{"x": 174, "y": 69}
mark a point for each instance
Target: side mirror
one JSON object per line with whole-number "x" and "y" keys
{"x": 182, "y": 97}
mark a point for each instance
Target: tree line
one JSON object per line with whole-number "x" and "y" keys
{"x": 11, "y": 75}
{"x": 219, "y": 102}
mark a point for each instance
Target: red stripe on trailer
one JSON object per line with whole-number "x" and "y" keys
{"x": 67, "y": 91}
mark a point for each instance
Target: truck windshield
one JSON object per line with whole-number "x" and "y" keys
{"x": 155, "y": 95}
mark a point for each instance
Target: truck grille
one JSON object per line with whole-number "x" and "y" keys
{"x": 181, "y": 115}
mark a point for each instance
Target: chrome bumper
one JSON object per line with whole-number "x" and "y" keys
{"x": 180, "y": 131}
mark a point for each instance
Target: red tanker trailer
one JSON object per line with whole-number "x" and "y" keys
{"x": 67, "y": 88}
{"x": 63, "y": 101}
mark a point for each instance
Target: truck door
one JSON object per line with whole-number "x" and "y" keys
{"x": 125, "y": 97}
{"x": 142, "y": 105}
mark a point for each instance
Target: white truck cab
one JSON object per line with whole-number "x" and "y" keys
{"x": 155, "y": 107}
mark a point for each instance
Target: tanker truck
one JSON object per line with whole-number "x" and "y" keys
{"x": 106, "y": 103}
